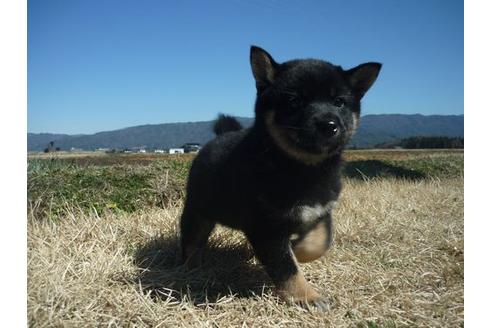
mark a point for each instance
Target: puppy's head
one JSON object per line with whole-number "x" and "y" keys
{"x": 309, "y": 107}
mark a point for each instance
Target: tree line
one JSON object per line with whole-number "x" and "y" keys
{"x": 421, "y": 142}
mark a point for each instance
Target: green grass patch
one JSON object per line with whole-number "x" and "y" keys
{"x": 53, "y": 185}
{"x": 126, "y": 183}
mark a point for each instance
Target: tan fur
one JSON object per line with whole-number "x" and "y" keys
{"x": 355, "y": 117}
{"x": 281, "y": 139}
{"x": 313, "y": 246}
{"x": 297, "y": 289}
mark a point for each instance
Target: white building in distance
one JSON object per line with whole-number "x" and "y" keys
{"x": 176, "y": 151}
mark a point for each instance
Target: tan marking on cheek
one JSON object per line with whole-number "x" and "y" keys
{"x": 355, "y": 118}
{"x": 313, "y": 245}
{"x": 283, "y": 143}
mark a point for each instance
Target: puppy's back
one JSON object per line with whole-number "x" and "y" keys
{"x": 213, "y": 183}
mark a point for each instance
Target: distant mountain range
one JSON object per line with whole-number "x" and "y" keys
{"x": 374, "y": 129}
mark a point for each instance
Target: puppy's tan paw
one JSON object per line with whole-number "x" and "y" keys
{"x": 320, "y": 304}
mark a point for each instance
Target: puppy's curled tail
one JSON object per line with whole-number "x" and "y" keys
{"x": 225, "y": 124}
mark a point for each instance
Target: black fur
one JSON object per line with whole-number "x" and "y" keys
{"x": 260, "y": 180}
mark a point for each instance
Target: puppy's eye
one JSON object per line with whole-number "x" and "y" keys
{"x": 339, "y": 102}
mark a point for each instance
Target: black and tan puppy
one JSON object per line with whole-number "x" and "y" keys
{"x": 278, "y": 180}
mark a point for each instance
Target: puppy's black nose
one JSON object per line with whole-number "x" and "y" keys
{"x": 328, "y": 127}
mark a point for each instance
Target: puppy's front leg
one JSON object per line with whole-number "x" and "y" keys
{"x": 279, "y": 261}
{"x": 313, "y": 244}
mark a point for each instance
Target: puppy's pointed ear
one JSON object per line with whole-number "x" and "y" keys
{"x": 362, "y": 77}
{"x": 263, "y": 66}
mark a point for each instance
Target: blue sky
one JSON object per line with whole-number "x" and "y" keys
{"x": 96, "y": 65}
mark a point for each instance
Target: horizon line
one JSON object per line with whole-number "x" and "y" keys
{"x": 204, "y": 121}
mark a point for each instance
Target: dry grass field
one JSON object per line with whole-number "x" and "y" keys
{"x": 397, "y": 258}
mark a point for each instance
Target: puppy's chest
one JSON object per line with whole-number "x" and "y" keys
{"x": 302, "y": 198}
{"x": 307, "y": 214}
